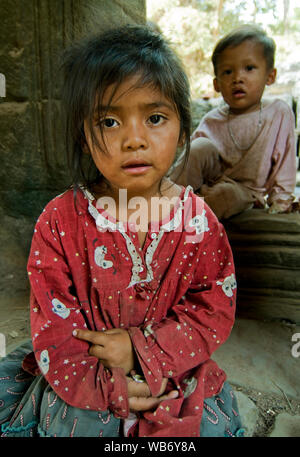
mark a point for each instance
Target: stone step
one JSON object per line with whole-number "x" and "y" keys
{"x": 286, "y": 257}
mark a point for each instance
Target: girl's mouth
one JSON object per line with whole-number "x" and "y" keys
{"x": 136, "y": 167}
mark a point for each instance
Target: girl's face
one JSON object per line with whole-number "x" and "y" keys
{"x": 141, "y": 133}
{"x": 242, "y": 75}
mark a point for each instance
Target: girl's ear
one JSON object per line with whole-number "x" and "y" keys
{"x": 84, "y": 144}
{"x": 271, "y": 77}
{"x": 216, "y": 85}
{"x": 85, "y": 148}
{"x": 181, "y": 140}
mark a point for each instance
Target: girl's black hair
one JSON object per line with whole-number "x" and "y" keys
{"x": 92, "y": 65}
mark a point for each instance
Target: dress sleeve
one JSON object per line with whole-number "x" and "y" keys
{"x": 198, "y": 323}
{"x": 78, "y": 378}
{"x": 282, "y": 179}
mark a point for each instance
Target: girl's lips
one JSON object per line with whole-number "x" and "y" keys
{"x": 136, "y": 169}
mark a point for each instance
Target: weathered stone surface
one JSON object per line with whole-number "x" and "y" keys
{"x": 248, "y": 411}
{"x": 259, "y": 220}
{"x": 32, "y": 39}
{"x": 267, "y": 258}
{"x": 286, "y": 425}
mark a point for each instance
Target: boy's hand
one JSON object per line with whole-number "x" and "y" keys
{"x": 112, "y": 347}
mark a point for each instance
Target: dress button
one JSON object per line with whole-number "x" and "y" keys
{"x": 153, "y": 236}
{"x": 141, "y": 269}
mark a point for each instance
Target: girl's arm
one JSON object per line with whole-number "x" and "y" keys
{"x": 77, "y": 377}
{"x": 195, "y": 325}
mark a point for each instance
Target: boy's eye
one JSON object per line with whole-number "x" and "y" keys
{"x": 250, "y": 67}
{"x": 227, "y": 72}
{"x": 156, "y": 118}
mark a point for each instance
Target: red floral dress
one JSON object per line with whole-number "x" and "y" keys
{"x": 175, "y": 296}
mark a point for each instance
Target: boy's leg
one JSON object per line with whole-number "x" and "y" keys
{"x": 227, "y": 198}
{"x": 204, "y": 165}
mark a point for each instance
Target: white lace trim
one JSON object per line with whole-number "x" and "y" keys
{"x": 103, "y": 223}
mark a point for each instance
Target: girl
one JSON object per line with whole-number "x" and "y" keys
{"x": 124, "y": 315}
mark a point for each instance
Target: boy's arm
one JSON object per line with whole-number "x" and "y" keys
{"x": 77, "y": 377}
{"x": 197, "y": 324}
{"x": 282, "y": 180}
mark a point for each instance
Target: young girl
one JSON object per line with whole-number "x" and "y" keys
{"x": 124, "y": 315}
{"x": 243, "y": 153}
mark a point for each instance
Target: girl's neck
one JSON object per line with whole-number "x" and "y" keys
{"x": 124, "y": 203}
{"x": 104, "y": 189}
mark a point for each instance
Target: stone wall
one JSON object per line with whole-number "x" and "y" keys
{"x": 32, "y": 37}
{"x": 266, "y": 250}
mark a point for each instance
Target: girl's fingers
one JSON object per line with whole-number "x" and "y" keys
{"x": 98, "y": 351}
{"x": 148, "y": 403}
{"x": 90, "y": 336}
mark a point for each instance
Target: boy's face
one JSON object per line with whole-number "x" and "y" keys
{"x": 141, "y": 131}
{"x": 242, "y": 75}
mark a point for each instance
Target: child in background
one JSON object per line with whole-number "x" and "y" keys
{"x": 243, "y": 154}
{"x": 124, "y": 318}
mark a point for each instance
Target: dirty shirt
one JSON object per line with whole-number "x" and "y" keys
{"x": 269, "y": 166}
{"x": 175, "y": 296}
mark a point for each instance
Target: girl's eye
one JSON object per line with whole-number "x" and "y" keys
{"x": 250, "y": 67}
{"x": 156, "y": 119}
{"x": 227, "y": 72}
{"x": 109, "y": 122}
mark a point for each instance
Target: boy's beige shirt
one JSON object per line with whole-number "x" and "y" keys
{"x": 269, "y": 166}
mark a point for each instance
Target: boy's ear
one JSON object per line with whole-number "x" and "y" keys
{"x": 216, "y": 85}
{"x": 271, "y": 77}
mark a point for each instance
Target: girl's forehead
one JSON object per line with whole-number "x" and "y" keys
{"x": 133, "y": 86}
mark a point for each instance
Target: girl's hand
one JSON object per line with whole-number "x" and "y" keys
{"x": 139, "y": 395}
{"x": 148, "y": 403}
{"x": 112, "y": 347}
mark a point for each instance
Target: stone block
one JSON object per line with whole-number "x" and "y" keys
{"x": 249, "y": 412}
{"x": 286, "y": 425}
{"x": 267, "y": 259}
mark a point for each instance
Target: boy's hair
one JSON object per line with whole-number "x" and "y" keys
{"x": 241, "y": 34}
{"x": 92, "y": 65}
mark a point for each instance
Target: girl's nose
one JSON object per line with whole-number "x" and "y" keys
{"x": 134, "y": 137}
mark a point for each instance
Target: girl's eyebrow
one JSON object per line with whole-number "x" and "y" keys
{"x": 149, "y": 106}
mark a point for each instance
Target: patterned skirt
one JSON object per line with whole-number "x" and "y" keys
{"x": 30, "y": 407}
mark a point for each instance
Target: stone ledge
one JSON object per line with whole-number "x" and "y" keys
{"x": 267, "y": 260}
